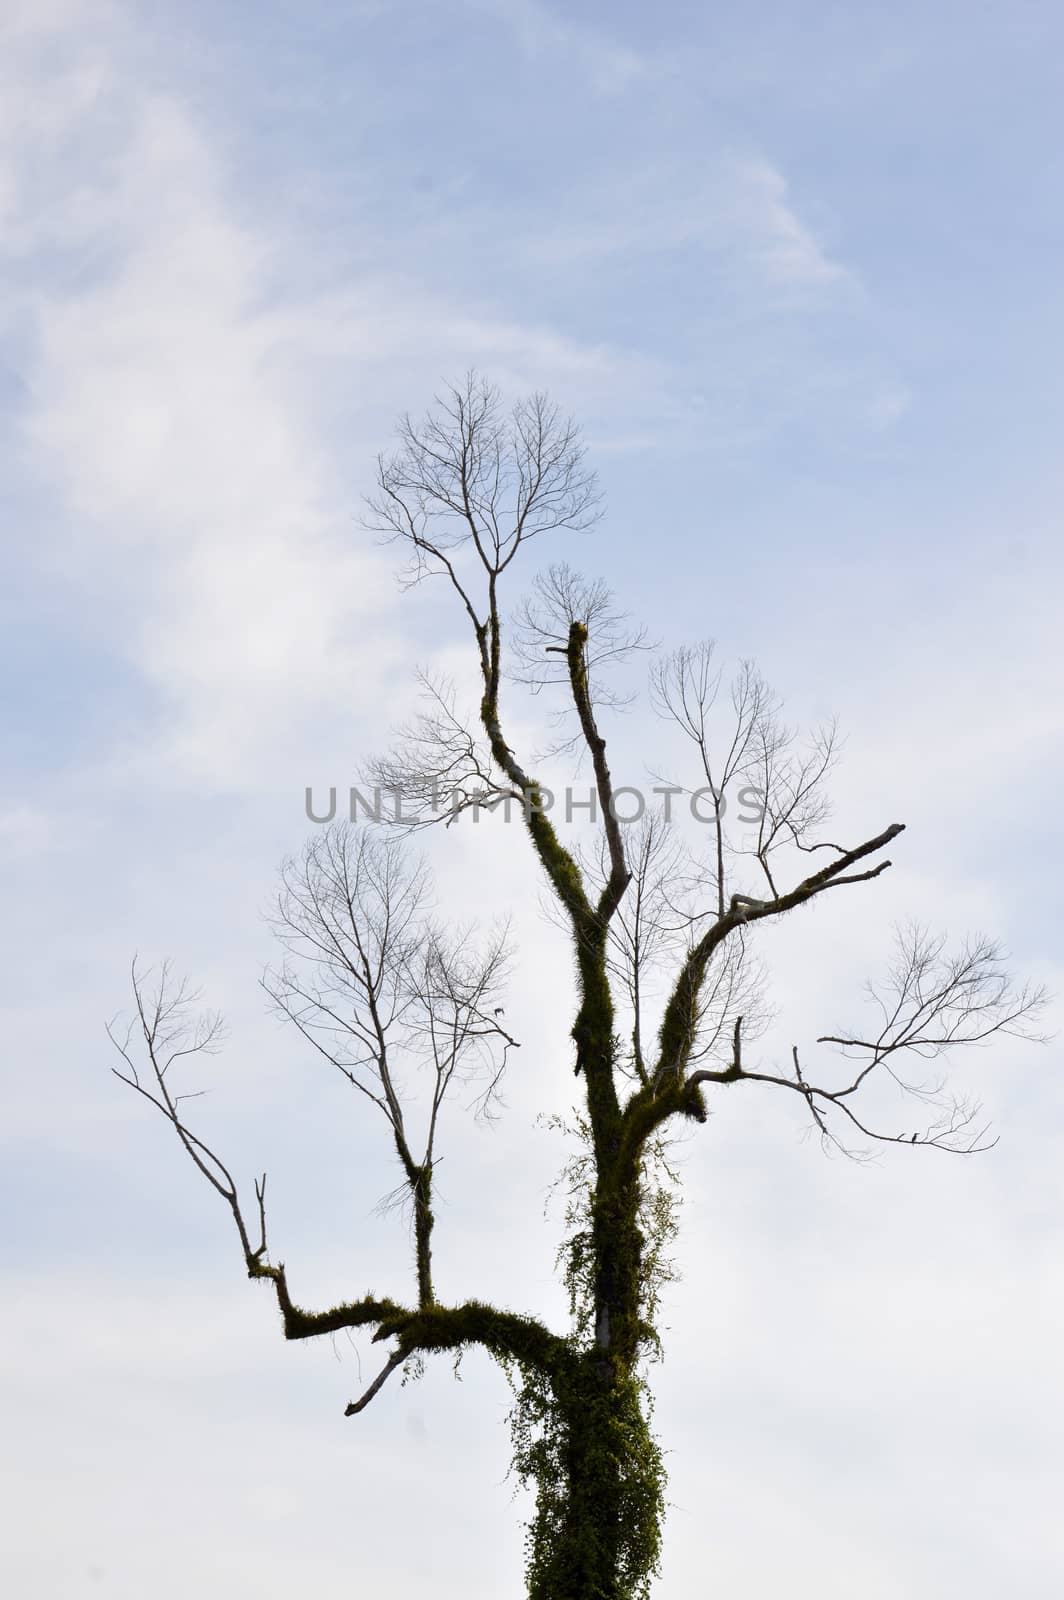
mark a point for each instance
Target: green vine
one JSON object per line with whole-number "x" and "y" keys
{"x": 581, "y": 1432}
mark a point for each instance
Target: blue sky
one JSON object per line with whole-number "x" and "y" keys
{"x": 798, "y": 275}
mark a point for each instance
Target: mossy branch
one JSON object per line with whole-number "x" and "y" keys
{"x": 680, "y": 1021}
{"x": 619, "y": 875}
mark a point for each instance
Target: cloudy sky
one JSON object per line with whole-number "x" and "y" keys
{"x": 797, "y": 273}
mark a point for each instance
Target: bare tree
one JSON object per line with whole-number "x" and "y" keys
{"x": 669, "y": 985}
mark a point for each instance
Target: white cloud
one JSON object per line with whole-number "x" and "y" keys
{"x": 175, "y": 406}
{"x": 783, "y": 247}
{"x": 159, "y": 414}
{"x": 737, "y": 207}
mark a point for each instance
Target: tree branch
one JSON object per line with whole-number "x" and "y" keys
{"x": 931, "y": 1002}
{"x": 619, "y": 876}
{"x": 378, "y": 1383}
{"x": 679, "y": 1025}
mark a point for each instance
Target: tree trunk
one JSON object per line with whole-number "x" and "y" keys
{"x": 596, "y": 1535}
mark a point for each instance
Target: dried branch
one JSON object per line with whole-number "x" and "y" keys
{"x": 168, "y": 1027}
{"x": 395, "y": 1360}
{"x": 747, "y": 751}
{"x": 932, "y": 1001}
{"x": 382, "y": 992}
{"x": 438, "y": 769}
{"x": 469, "y": 485}
{"x": 539, "y": 648}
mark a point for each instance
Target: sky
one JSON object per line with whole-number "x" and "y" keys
{"x": 796, "y": 273}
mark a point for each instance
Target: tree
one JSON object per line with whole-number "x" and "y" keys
{"x": 382, "y": 992}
